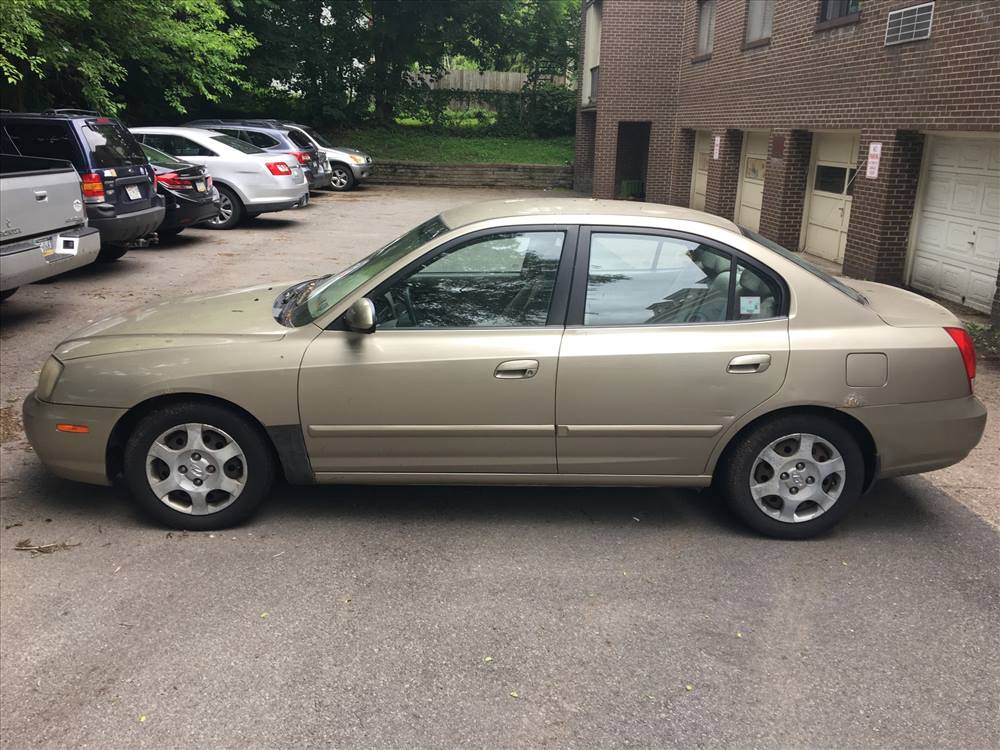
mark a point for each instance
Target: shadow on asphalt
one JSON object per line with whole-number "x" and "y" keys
{"x": 892, "y": 507}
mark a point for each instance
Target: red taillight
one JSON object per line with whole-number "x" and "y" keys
{"x": 302, "y": 156}
{"x": 208, "y": 180}
{"x": 171, "y": 180}
{"x": 278, "y": 168}
{"x": 93, "y": 188}
{"x": 967, "y": 347}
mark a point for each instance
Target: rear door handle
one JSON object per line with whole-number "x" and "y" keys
{"x": 749, "y": 363}
{"x": 41, "y": 195}
{"x": 516, "y": 368}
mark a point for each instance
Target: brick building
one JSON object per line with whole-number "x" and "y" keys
{"x": 769, "y": 111}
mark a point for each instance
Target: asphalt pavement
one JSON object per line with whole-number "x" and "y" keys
{"x": 388, "y": 617}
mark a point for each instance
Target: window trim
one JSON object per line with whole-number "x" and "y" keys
{"x": 560, "y": 292}
{"x": 581, "y": 273}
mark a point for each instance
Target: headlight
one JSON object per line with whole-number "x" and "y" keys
{"x": 48, "y": 378}
{"x": 356, "y": 158}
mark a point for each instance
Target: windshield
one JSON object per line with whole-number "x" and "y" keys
{"x": 110, "y": 144}
{"x": 322, "y": 296}
{"x": 319, "y": 138}
{"x": 801, "y": 262}
{"x": 246, "y": 148}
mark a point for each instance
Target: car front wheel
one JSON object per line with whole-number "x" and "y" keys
{"x": 198, "y": 466}
{"x": 793, "y": 477}
{"x": 341, "y": 177}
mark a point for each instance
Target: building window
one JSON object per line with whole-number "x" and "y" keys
{"x": 760, "y": 14}
{"x": 909, "y": 24}
{"x": 706, "y": 26}
{"x": 832, "y": 10}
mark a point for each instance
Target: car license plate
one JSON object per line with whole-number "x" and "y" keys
{"x": 48, "y": 247}
{"x": 132, "y": 191}
{"x": 199, "y": 185}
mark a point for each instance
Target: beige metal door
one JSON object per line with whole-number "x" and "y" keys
{"x": 956, "y": 249}
{"x": 699, "y": 170}
{"x": 751, "y": 189}
{"x": 430, "y": 401}
{"x": 833, "y": 165}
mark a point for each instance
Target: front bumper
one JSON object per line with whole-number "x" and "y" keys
{"x": 25, "y": 262}
{"x": 361, "y": 171}
{"x": 125, "y": 227}
{"x": 81, "y": 457}
{"x": 913, "y": 438}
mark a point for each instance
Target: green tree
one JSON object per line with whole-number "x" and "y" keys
{"x": 104, "y": 54}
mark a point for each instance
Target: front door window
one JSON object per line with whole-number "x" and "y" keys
{"x": 501, "y": 280}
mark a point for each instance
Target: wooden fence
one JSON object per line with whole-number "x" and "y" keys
{"x": 485, "y": 80}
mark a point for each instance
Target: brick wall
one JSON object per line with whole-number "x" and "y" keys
{"x": 785, "y": 185}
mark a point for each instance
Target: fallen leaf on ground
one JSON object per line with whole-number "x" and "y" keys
{"x": 689, "y": 688}
{"x": 513, "y": 694}
{"x": 263, "y": 615}
{"x": 25, "y": 545}
{"x": 12, "y": 525}
{"x": 487, "y": 659}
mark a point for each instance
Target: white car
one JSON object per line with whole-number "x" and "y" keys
{"x": 251, "y": 181}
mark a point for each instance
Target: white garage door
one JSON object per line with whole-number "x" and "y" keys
{"x": 751, "y": 190}
{"x": 831, "y": 183}
{"x": 699, "y": 171}
{"x": 956, "y": 251}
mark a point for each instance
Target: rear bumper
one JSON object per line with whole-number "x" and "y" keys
{"x": 23, "y": 263}
{"x": 318, "y": 181}
{"x": 81, "y": 457}
{"x": 188, "y": 213}
{"x": 913, "y": 438}
{"x": 124, "y": 227}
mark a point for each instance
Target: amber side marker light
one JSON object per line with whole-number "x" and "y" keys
{"x": 81, "y": 428}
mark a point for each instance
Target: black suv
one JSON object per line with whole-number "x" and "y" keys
{"x": 119, "y": 185}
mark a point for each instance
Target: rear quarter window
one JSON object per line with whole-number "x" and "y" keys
{"x": 299, "y": 139}
{"x": 110, "y": 144}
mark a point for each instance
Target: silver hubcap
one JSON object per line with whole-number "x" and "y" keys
{"x": 339, "y": 178}
{"x": 196, "y": 469}
{"x": 797, "y": 478}
{"x": 225, "y": 210}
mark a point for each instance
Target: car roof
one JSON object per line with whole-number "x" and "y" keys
{"x": 526, "y": 208}
{"x": 175, "y": 131}
{"x": 56, "y": 114}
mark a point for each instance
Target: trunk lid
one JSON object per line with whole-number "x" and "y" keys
{"x": 901, "y": 308}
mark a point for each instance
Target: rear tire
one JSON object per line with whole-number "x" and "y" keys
{"x": 341, "y": 177}
{"x": 231, "y": 210}
{"x": 211, "y": 466}
{"x": 111, "y": 253}
{"x": 793, "y": 477}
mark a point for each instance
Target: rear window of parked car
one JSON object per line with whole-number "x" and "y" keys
{"x": 110, "y": 144}
{"x": 246, "y": 148}
{"x": 49, "y": 140}
{"x": 299, "y": 139}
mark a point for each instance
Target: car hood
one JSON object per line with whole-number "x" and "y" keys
{"x": 240, "y": 315}
{"x": 343, "y": 150}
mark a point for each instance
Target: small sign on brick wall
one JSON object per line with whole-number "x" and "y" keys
{"x": 874, "y": 157}
{"x": 718, "y": 145}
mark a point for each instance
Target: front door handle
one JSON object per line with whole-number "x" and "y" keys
{"x": 748, "y": 363}
{"x": 516, "y": 368}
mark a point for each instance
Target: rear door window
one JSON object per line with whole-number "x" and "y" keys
{"x": 49, "y": 140}
{"x": 261, "y": 140}
{"x": 110, "y": 144}
{"x": 246, "y": 148}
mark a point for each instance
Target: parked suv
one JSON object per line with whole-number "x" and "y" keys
{"x": 278, "y": 139}
{"x": 348, "y": 166}
{"x": 119, "y": 189}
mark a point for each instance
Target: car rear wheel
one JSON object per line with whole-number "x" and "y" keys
{"x": 793, "y": 477}
{"x": 231, "y": 210}
{"x": 198, "y": 466}
{"x": 341, "y": 177}
{"x": 111, "y": 253}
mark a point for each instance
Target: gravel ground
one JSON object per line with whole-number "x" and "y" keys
{"x": 481, "y": 617}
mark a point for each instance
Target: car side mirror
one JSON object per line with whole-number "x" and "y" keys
{"x": 360, "y": 317}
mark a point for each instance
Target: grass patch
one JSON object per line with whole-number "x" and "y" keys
{"x": 420, "y": 143}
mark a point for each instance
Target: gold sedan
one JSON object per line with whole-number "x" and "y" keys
{"x": 557, "y": 341}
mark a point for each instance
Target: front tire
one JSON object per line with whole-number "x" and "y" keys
{"x": 341, "y": 177}
{"x": 231, "y": 210}
{"x": 793, "y": 477}
{"x": 198, "y": 466}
